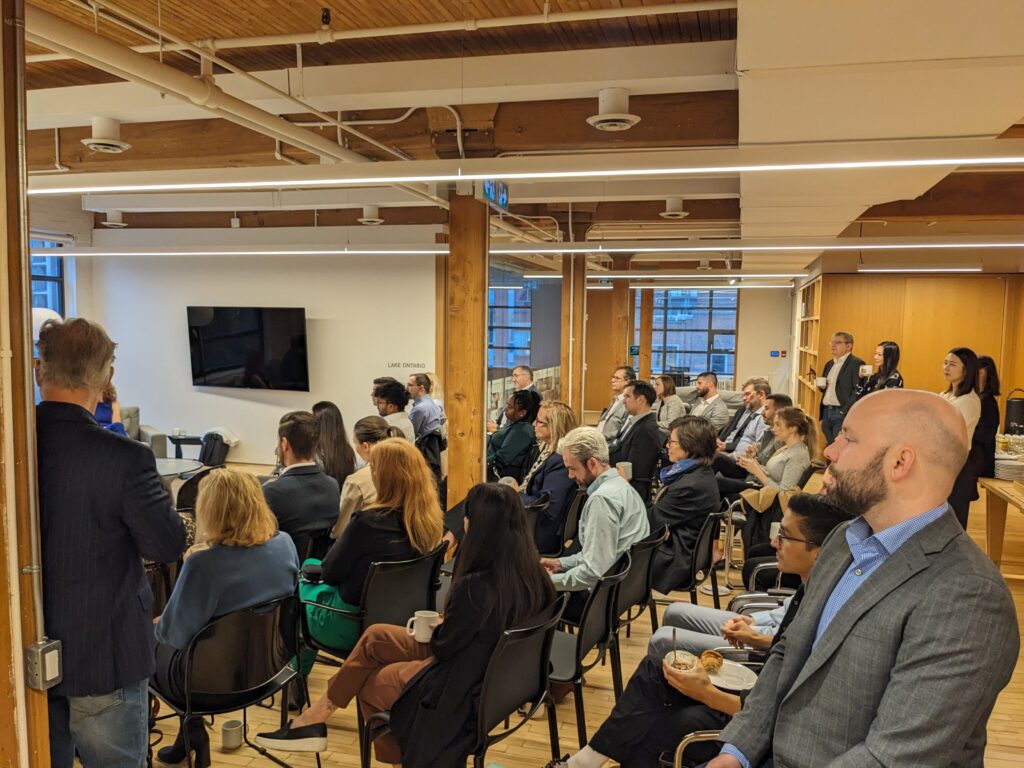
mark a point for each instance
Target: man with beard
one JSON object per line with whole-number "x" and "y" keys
{"x": 907, "y": 631}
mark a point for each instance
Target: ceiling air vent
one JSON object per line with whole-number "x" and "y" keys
{"x": 613, "y": 107}
{"x": 106, "y": 137}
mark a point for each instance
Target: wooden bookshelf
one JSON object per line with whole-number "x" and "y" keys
{"x": 808, "y": 395}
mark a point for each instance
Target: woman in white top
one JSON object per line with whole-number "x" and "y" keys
{"x": 359, "y": 492}
{"x": 669, "y": 406}
{"x": 799, "y": 436}
{"x": 960, "y": 369}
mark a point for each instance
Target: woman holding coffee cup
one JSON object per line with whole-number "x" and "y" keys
{"x": 430, "y": 688}
{"x": 886, "y": 375}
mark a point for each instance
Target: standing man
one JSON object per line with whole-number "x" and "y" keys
{"x": 522, "y": 378}
{"x": 639, "y": 440}
{"x": 613, "y": 518}
{"x": 427, "y": 415}
{"x": 907, "y": 631}
{"x": 102, "y": 511}
{"x": 615, "y": 414}
{"x": 710, "y": 405}
{"x": 391, "y": 401}
{"x": 842, "y": 373}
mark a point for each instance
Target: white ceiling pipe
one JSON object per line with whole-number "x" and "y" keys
{"x": 325, "y": 36}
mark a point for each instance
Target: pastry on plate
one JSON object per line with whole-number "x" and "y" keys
{"x": 711, "y": 661}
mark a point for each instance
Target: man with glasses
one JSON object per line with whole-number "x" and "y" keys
{"x": 841, "y": 374}
{"x": 522, "y": 378}
{"x": 613, "y": 417}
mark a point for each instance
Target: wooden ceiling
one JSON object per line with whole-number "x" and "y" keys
{"x": 224, "y": 18}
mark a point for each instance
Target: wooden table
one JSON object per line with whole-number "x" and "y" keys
{"x": 998, "y": 494}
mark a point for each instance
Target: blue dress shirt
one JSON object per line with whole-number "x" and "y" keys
{"x": 869, "y": 551}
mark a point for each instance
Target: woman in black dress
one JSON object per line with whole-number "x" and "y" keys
{"x": 887, "y": 358}
{"x": 983, "y": 443}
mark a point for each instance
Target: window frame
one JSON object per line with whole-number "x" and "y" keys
{"x": 660, "y": 335}
{"x": 60, "y": 279}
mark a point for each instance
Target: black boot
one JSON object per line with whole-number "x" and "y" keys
{"x": 199, "y": 741}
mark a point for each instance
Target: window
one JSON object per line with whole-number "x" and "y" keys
{"x": 509, "y": 316}
{"x": 693, "y": 331}
{"x": 47, "y": 278}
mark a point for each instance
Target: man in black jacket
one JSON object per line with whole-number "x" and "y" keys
{"x": 841, "y": 375}
{"x": 303, "y": 498}
{"x": 102, "y": 510}
{"x": 639, "y": 439}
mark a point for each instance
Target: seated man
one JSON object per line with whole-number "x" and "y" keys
{"x": 661, "y": 704}
{"x": 638, "y": 440}
{"x": 696, "y": 628}
{"x": 613, "y": 518}
{"x": 303, "y": 498}
{"x": 728, "y": 467}
{"x": 710, "y": 404}
{"x": 747, "y": 425}
{"x": 391, "y": 400}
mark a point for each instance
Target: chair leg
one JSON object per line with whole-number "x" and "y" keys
{"x": 284, "y": 702}
{"x": 616, "y": 667}
{"x": 654, "y": 616}
{"x": 714, "y": 590}
{"x": 549, "y": 705}
{"x": 581, "y": 717}
{"x": 257, "y": 747}
{"x": 188, "y": 744}
{"x": 693, "y": 595}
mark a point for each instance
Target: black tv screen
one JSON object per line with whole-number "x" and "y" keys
{"x": 250, "y": 347}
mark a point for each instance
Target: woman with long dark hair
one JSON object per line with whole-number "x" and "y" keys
{"x": 886, "y": 375}
{"x": 431, "y": 688}
{"x": 983, "y": 444}
{"x": 335, "y": 454}
{"x": 960, "y": 369}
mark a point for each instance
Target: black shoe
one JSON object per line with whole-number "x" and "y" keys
{"x": 198, "y": 740}
{"x": 308, "y": 738}
{"x": 558, "y": 763}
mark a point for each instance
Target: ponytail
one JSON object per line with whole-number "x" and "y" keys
{"x": 805, "y": 427}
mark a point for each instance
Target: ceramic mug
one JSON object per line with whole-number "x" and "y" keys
{"x": 421, "y": 626}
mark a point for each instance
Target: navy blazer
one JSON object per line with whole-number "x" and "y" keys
{"x": 102, "y": 510}
{"x": 552, "y": 480}
{"x": 304, "y": 500}
{"x": 641, "y": 446}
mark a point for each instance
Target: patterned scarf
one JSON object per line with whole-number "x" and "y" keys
{"x": 545, "y": 451}
{"x": 672, "y": 473}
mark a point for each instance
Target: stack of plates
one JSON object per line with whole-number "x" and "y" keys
{"x": 1009, "y": 469}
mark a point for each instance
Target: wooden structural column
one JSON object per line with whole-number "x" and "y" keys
{"x": 465, "y": 354}
{"x": 24, "y": 733}
{"x": 646, "y": 331}
{"x": 622, "y": 314}
{"x": 574, "y": 312}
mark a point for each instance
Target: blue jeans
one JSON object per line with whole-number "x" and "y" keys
{"x": 109, "y": 731}
{"x": 831, "y": 422}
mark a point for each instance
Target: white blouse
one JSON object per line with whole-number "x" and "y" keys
{"x": 969, "y": 406}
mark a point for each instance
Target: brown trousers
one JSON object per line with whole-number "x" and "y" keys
{"x": 383, "y": 661}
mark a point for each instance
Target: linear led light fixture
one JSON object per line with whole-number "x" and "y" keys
{"x": 657, "y": 276}
{"x": 599, "y": 287}
{"x": 361, "y": 251}
{"x": 497, "y": 172}
{"x": 506, "y": 287}
{"x": 890, "y": 270}
{"x": 720, "y": 248}
{"x": 704, "y": 287}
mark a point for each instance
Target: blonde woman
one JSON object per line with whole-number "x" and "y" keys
{"x": 548, "y": 477}
{"x": 241, "y": 560}
{"x": 359, "y": 492}
{"x": 404, "y": 522}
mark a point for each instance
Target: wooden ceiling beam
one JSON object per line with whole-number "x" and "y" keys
{"x": 960, "y": 196}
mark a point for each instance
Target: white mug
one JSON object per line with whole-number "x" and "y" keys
{"x": 177, "y": 431}
{"x": 776, "y": 527}
{"x": 627, "y": 469}
{"x": 821, "y": 382}
{"x": 507, "y": 481}
{"x": 231, "y": 734}
{"x": 421, "y": 626}
{"x": 865, "y": 371}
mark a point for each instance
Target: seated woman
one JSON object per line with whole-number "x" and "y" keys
{"x": 431, "y": 688}
{"x": 688, "y": 495}
{"x": 661, "y": 704}
{"x": 509, "y": 448}
{"x": 240, "y": 560}
{"x": 403, "y": 523}
{"x": 358, "y": 491}
{"x": 799, "y": 437}
{"x": 108, "y": 411}
{"x": 669, "y": 406}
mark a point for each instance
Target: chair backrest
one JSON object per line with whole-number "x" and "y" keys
{"x": 808, "y": 473}
{"x": 517, "y": 673}
{"x": 571, "y": 523}
{"x": 189, "y": 490}
{"x": 598, "y": 619}
{"x": 393, "y": 592}
{"x": 312, "y": 544}
{"x": 635, "y": 589}
{"x": 703, "y": 550}
{"x": 243, "y": 650}
{"x": 533, "y": 513}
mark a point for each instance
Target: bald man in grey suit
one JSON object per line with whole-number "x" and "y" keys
{"x": 907, "y": 631}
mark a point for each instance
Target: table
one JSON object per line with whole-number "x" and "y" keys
{"x": 998, "y": 494}
{"x": 180, "y": 440}
{"x": 174, "y": 467}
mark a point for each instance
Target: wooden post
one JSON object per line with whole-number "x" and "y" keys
{"x": 646, "y": 330}
{"x": 17, "y": 426}
{"x": 622, "y": 315}
{"x": 574, "y": 311}
{"x": 466, "y": 344}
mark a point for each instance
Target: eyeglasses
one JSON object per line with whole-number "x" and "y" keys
{"x": 783, "y": 537}
{"x": 670, "y": 441}
{"x": 618, "y": 378}
{"x": 540, "y": 423}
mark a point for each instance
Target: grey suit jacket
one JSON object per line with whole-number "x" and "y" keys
{"x": 905, "y": 675}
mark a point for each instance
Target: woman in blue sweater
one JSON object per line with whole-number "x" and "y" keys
{"x": 240, "y": 560}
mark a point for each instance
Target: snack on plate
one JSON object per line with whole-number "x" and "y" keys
{"x": 680, "y": 660}
{"x": 711, "y": 661}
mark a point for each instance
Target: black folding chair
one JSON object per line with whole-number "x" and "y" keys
{"x": 596, "y": 630}
{"x": 570, "y": 527}
{"x": 533, "y": 513}
{"x": 189, "y": 490}
{"x": 238, "y": 660}
{"x": 516, "y": 677}
{"x": 313, "y": 544}
{"x": 702, "y": 564}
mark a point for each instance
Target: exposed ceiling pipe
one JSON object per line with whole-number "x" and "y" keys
{"x": 324, "y": 36}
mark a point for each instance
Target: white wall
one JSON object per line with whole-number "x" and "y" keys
{"x": 765, "y": 323}
{"x": 364, "y": 314}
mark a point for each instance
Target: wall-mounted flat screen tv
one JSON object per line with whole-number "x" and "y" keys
{"x": 249, "y": 347}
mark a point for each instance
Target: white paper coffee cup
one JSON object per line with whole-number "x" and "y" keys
{"x": 626, "y": 467}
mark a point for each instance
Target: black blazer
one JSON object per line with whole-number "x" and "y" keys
{"x": 641, "y": 446}
{"x": 551, "y": 480}
{"x": 102, "y": 510}
{"x": 683, "y": 506}
{"x": 846, "y": 383}
{"x": 372, "y": 536}
{"x": 983, "y": 442}
{"x": 304, "y": 500}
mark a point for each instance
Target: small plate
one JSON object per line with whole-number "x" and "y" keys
{"x": 733, "y": 677}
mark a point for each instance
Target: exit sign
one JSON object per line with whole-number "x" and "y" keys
{"x": 493, "y": 192}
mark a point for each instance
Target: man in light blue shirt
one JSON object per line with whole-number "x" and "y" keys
{"x": 907, "y": 632}
{"x": 426, "y": 415}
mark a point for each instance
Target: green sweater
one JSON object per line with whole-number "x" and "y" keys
{"x": 508, "y": 448}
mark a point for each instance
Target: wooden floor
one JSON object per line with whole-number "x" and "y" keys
{"x": 528, "y": 748}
